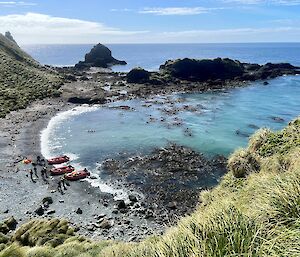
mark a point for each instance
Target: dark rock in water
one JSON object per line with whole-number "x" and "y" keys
{"x": 99, "y": 56}
{"x": 121, "y": 204}
{"x": 253, "y": 126}
{"x": 202, "y": 70}
{"x": 86, "y": 100}
{"x": 266, "y": 83}
{"x": 241, "y": 133}
{"x": 40, "y": 210}
{"x": 277, "y": 119}
{"x": 138, "y": 75}
{"x": 79, "y": 211}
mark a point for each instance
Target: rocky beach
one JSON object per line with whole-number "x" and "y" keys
{"x": 163, "y": 185}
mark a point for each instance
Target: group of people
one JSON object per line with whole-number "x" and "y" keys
{"x": 33, "y": 172}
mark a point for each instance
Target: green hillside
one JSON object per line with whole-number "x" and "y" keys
{"x": 254, "y": 211}
{"x": 22, "y": 79}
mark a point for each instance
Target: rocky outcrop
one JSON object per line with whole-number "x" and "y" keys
{"x": 99, "y": 56}
{"x": 138, "y": 75}
{"x": 224, "y": 69}
{"x": 212, "y": 74}
{"x": 9, "y": 36}
{"x": 202, "y": 70}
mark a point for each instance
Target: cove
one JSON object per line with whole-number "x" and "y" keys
{"x": 212, "y": 122}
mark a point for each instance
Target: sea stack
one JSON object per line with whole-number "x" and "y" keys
{"x": 99, "y": 56}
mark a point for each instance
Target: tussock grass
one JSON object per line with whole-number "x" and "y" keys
{"x": 22, "y": 80}
{"x": 257, "y": 214}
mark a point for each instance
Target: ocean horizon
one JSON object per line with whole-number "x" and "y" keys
{"x": 151, "y": 56}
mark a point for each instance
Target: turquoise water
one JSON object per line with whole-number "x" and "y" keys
{"x": 219, "y": 122}
{"x": 151, "y": 56}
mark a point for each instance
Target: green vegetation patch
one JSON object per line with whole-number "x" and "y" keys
{"x": 22, "y": 80}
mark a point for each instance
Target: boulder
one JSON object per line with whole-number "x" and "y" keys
{"x": 121, "y": 204}
{"x": 40, "y": 210}
{"x": 172, "y": 205}
{"x": 99, "y": 56}
{"x": 105, "y": 224}
{"x": 47, "y": 200}
{"x": 79, "y": 211}
{"x": 138, "y": 75}
{"x": 133, "y": 198}
{"x": 50, "y": 212}
{"x": 8, "y": 225}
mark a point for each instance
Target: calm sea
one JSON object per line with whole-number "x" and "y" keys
{"x": 222, "y": 123}
{"x": 151, "y": 56}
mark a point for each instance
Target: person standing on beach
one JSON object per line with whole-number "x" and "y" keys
{"x": 31, "y": 176}
{"x": 44, "y": 173}
{"x": 63, "y": 182}
{"x": 35, "y": 169}
{"x": 59, "y": 189}
{"x": 44, "y": 170}
{"x": 38, "y": 160}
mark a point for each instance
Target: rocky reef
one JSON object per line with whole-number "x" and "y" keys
{"x": 99, "y": 56}
{"x": 170, "y": 177}
{"x": 214, "y": 72}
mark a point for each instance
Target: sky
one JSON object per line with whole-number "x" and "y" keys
{"x": 150, "y": 21}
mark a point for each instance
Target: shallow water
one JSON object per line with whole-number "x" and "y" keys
{"x": 219, "y": 123}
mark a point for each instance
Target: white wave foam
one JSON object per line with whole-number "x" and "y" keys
{"x": 53, "y": 123}
{"x": 46, "y": 148}
{"x": 119, "y": 194}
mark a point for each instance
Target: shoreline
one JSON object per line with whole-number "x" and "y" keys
{"x": 21, "y": 137}
{"x": 24, "y": 140}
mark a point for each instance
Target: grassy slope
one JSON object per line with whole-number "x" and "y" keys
{"x": 22, "y": 80}
{"x": 256, "y": 214}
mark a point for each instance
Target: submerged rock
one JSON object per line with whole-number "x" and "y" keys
{"x": 99, "y": 56}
